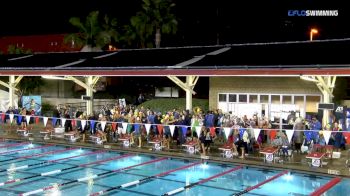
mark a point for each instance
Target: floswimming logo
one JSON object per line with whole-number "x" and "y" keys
{"x": 313, "y": 12}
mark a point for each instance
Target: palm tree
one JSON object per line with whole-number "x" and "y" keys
{"x": 155, "y": 18}
{"x": 92, "y": 35}
{"x": 128, "y": 35}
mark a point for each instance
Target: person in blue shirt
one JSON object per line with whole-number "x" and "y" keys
{"x": 209, "y": 119}
{"x": 315, "y": 126}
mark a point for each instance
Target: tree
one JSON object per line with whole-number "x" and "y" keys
{"x": 27, "y": 86}
{"x": 13, "y": 49}
{"x": 154, "y": 19}
{"x": 92, "y": 35}
{"x": 129, "y": 34}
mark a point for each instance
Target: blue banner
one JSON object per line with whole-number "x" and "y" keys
{"x": 92, "y": 125}
{"x": 54, "y": 120}
{"x": 184, "y": 131}
{"x": 137, "y": 128}
{"x": 241, "y": 132}
{"x": 19, "y": 119}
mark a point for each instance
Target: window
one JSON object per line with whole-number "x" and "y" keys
{"x": 222, "y": 98}
{"x": 264, "y": 99}
{"x": 275, "y": 99}
{"x": 286, "y": 99}
{"x": 253, "y": 98}
{"x": 311, "y": 103}
{"x": 232, "y": 98}
{"x": 242, "y": 98}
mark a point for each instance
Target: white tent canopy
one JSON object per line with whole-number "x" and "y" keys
{"x": 4, "y": 100}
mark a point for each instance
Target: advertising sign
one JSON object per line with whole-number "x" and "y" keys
{"x": 32, "y": 103}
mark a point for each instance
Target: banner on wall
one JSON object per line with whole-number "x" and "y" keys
{"x": 32, "y": 103}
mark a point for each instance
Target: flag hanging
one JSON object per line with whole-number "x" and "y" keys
{"x": 327, "y": 135}
{"x": 83, "y": 123}
{"x": 184, "y": 131}
{"x": 198, "y": 131}
{"x": 63, "y": 121}
{"x": 172, "y": 128}
{"x": 103, "y": 125}
{"x": 148, "y": 127}
{"x": 54, "y": 121}
{"x": 256, "y": 133}
{"x": 28, "y": 119}
{"x": 45, "y": 121}
{"x": 227, "y": 131}
{"x": 125, "y": 126}
{"x": 114, "y": 126}
{"x": 289, "y": 133}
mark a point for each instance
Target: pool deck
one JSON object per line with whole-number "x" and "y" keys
{"x": 298, "y": 162}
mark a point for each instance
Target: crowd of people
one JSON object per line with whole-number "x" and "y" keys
{"x": 212, "y": 123}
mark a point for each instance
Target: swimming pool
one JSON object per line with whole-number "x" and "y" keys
{"x": 46, "y": 169}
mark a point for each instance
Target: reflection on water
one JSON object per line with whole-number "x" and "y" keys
{"x": 55, "y": 191}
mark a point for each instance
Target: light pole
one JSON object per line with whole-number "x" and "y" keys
{"x": 312, "y": 32}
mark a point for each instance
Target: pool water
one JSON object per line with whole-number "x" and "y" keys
{"x": 74, "y": 171}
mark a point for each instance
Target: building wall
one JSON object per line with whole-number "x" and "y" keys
{"x": 38, "y": 43}
{"x": 56, "y": 88}
{"x": 73, "y": 101}
{"x": 268, "y": 85}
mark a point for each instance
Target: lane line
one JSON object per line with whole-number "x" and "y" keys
{"x": 39, "y": 147}
{"x": 64, "y": 169}
{"x": 261, "y": 183}
{"x": 143, "y": 180}
{"x": 202, "y": 181}
{"x": 89, "y": 177}
{"x": 39, "y": 155}
{"x": 15, "y": 144}
{"x": 45, "y": 162}
{"x": 326, "y": 187}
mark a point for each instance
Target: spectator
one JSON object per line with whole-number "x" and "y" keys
{"x": 140, "y": 99}
{"x": 68, "y": 124}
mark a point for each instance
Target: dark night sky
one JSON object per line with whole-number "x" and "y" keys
{"x": 200, "y": 22}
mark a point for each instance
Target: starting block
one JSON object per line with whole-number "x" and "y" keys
{"x": 96, "y": 140}
{"x": 70, "y": 137}
{"x": 228, "y": 154}
{"x": 157, "y": 145}
{"x": 23, "y": 132}
{"x": 45, "y": 135}
{"x": 126, "y": 141}
{"x": 204, "y": 157}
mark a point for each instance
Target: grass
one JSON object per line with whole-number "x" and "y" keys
{"x": 166, "y": 104}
